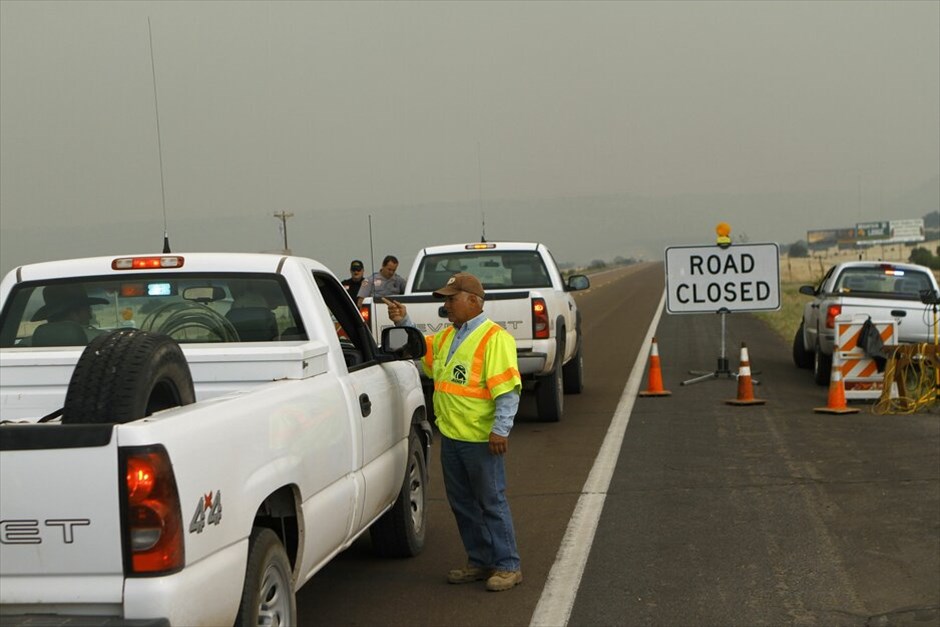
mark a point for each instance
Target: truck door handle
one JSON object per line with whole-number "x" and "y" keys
{"x": 442, "y": 311}
{"x": 365, "y": 405}
{"x": 900, "y": 313}
{"x": 815, "y": 306}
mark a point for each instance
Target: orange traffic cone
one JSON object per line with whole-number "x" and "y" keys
{"x": 655, "y": 375}
{"x": 836, "y": 403}
{"x": 745, "y": 385}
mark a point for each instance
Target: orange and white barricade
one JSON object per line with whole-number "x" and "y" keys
{"x": 860, "y": 374}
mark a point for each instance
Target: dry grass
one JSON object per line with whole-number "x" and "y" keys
{"x": 786, "y": 320}
{"x": 810, "y": 270}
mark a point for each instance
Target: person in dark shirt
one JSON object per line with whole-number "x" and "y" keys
{"x": 354, "y": 282}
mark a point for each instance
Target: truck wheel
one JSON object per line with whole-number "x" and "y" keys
{"x": 801, "y": 357}
{"x": 400, "y": 532}
{"x": 572, "y": 373}
{"x": 125, "y": 375}
{"x": 268, "y": 596}
{"x": 822, "y": 366}
{"x": 549, "y": 393}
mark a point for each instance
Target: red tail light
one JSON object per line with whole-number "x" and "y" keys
{"x": 153, "y": 523}
{"x": 541, "y": 329}
{"x": 366, "y": 312}
{"x": 831, "y": 312}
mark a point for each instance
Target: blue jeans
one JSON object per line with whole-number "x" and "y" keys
{"x": 475, "y": 482}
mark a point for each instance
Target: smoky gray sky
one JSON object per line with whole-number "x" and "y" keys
{"x": 602, "y": 129}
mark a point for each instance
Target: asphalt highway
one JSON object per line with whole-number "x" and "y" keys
{"x": 715, "y": 514}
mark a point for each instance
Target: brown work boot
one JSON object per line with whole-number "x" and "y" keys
{"x": 469, "y": 574}
{"x": 503, "y": 580}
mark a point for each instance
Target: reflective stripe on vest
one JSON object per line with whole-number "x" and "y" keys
{"x": 472, "y": 388}
{"x": 429, "y": 340}
{"x": 465, "y": 382}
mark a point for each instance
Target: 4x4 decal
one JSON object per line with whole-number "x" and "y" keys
{"x": 208, "y": 511}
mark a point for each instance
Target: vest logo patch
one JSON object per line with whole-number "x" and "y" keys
{"x": 459, "y": 374}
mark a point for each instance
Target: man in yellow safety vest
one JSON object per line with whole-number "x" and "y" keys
{"x": 476, "y": 395}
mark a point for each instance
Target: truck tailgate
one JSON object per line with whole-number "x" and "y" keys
{"x": 60, "y": 531}
{"x": 915, "y": 323}
{"x": 512, "y": 310}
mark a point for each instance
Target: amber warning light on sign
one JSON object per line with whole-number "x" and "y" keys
{"x": 706, "y": 279}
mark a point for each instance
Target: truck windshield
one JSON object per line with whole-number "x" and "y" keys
{"x": 889, "y": 281}
{"x": 187, "y": 307}
{"x": 495, "y": 269}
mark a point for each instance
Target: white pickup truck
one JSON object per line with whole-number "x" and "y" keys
{"x": 525, "y": 294}
{"x": 187, "y": 438}
{"x": 882, "y": 290}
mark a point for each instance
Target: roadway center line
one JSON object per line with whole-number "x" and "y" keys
{"x": 561, "y": 587}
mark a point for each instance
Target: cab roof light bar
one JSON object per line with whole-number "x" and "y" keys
{"x": 147, "y": 263}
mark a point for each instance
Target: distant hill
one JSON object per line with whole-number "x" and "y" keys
{"x": 578, "y": 229}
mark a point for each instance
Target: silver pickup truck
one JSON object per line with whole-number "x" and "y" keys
{"x": 882, "y": 290}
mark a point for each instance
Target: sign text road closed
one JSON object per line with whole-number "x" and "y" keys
{"x": 707, "y": 279}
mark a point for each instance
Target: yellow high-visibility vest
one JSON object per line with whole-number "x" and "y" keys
{"x": 483, "y": 367}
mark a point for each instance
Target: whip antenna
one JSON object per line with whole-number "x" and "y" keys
{"x": 480, "y": 188}
{"x": 371, "y": 255}
{"x": 156, "y": 109}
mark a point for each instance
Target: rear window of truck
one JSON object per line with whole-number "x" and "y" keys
{"x": 189, "y": 308}
{"x": 883, "y": 281}
{"x": 494, "y": 268}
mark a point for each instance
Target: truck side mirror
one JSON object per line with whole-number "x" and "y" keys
{"x": 403, "y": 342}
{"x": 578, "y": 282}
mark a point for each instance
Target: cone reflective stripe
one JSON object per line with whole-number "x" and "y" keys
{"x": 745, "y": 384}
{"x": 836, "y": 403}
{"x": 655, "y": 378}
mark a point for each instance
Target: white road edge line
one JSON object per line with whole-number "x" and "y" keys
{"x": 561, "y": 587}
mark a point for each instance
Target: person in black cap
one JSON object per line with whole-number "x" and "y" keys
{"x": 69, "y": 303}
{"x": 354, "y": 282}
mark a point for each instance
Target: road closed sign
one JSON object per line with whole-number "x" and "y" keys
{"x": 709, "y": 279}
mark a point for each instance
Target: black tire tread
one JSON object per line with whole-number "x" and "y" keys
{"x": 391, "y": 534}
{"x": 547, "y": 400}
{"x": 802, "y": 358}
{"x": 573, "y": 373}
{"x": 821, "y": 376}
{"x": 115, "y": 374}
{"x": 263, "y": 547}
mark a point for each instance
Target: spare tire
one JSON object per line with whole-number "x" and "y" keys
{"x": 126, "y": 375}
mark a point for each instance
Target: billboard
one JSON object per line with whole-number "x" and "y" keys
{"x": 824, "y": 238}
{"x": 890, "y": 232}
{"x": 908, "y": 230}
{"x": 872, "y": 232}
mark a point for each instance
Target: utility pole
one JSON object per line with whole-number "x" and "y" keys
{"x": 282, "y": 216}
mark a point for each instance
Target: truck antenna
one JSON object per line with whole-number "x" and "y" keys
{"x": 156, "y": 109}
{"x": 480, "y": 188}
{"x": 371, "y": 254}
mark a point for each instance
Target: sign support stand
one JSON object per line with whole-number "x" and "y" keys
{"x": 722, "y": 369}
